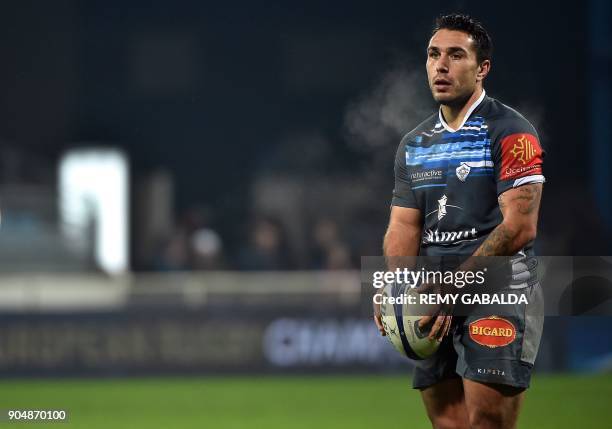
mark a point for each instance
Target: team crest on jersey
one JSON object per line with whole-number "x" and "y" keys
{"x": 462, "y": 171}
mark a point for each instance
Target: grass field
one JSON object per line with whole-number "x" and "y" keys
{"x": 287, "y": 402}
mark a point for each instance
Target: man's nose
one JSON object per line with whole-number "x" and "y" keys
{"x": 442, "y": 64}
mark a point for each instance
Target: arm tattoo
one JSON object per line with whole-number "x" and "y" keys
{"x": 527, "y": 201}
{"x": 498, "y": 243}
{"x": 501, "y": 240}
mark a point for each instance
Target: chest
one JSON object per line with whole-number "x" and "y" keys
{"x": 441, "y": 158}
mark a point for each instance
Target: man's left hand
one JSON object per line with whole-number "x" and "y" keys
{"x": 442, "y": 319}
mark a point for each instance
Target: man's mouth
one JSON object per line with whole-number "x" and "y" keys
{"x": 441, "y": 83}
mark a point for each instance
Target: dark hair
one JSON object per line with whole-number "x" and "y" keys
{"x": 467, "y": 24}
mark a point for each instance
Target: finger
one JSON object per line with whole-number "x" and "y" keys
{"x": 379, "y": 325}
{"x": 440, "y": 334}
{"x": 377, "y": 322}
{"x": 450, "y": 323}
{"x": 436, "y": 327}
{"x": 423, "y": 321}
{"x": 446, "y": 328}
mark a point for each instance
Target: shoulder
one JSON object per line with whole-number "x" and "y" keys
{"x": 515, "y": 143}
{"x": 425, "y": 128}
{"x": 504, "y": 120}
{"x": 415, "y": 137}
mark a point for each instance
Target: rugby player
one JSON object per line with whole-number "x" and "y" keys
{"x": 468, "y": 181}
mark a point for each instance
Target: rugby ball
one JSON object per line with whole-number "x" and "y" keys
{"x": 401, "y": 323}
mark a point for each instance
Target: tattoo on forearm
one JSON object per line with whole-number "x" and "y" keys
{"x": 501, "y": 240}
{"x": 498, "y": 243}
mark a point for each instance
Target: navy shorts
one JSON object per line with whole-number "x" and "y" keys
{"x": 489, "y": 349}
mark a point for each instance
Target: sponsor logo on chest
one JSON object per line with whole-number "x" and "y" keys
{"x": 425, "y": 175}
{"x": 435, "y": 236}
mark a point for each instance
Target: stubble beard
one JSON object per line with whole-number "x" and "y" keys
{"x": 455, "y": 102}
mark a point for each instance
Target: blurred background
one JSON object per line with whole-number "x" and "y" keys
{"x": 188, "y": 188}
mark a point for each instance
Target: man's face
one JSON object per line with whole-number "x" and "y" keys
{"x": 452, "y": 67}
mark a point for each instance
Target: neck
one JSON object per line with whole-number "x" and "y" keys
{"x": 454, "y": 114}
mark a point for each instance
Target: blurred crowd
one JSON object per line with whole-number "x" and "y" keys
{"x": 195, "y": 245}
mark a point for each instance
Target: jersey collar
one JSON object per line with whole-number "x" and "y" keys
{"x": 467, "y": 114}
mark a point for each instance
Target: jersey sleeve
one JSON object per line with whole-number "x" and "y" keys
{"x": 403, "y": 195}
{"x": 517, "y": 155}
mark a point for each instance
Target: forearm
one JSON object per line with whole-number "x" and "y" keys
{"x": 504, "y": 240}
{"x": 518, "y": 228}
{"x": 400, "y": 241}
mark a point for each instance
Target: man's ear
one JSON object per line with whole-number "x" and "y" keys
{"x": 483, "y": 70}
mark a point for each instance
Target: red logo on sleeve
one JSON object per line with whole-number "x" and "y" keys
{"x": 521, "y": 156}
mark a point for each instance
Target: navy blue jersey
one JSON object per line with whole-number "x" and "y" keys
{"x": 455, "y": 176}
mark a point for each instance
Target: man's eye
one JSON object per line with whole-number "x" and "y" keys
{"x": 434, "y": 54}
{"x": 456, "y": 56}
